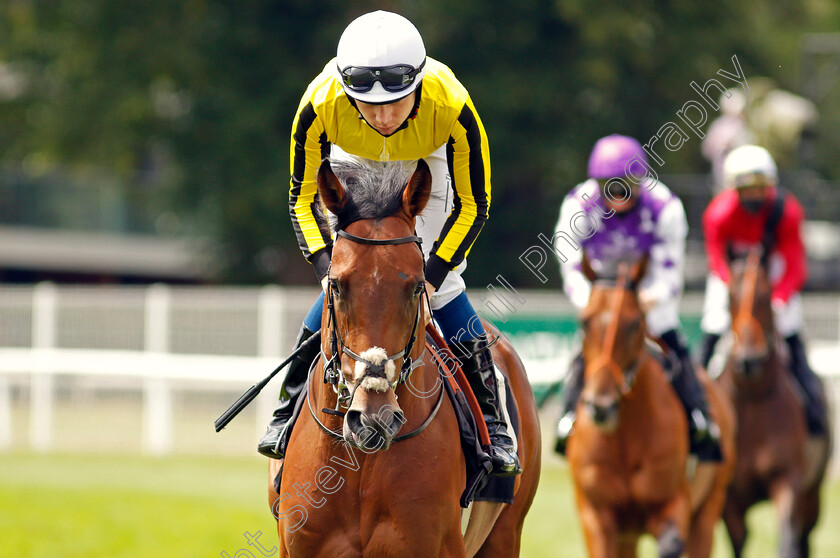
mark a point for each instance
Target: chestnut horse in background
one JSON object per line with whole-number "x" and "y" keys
{"x": 629, "y": 449}
{"x": 343, "y": 495}
{"x": 775, "y": 459}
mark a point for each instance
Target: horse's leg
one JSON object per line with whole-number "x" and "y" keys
{"x": 806, "y": 513}
{"x": 505, "y": 538}
{"x": 735, "y": 518}
{"x": 627, "y": 547}
{"x": 453, "y": 547}
{"x": 599, "y": 529}
{"x": 670, "y": 525}
{"x": 702, "y": 532}
{"x": 274, "y": 500}
{"x": 485, "y": 520}
{"x": 783, "y": 493}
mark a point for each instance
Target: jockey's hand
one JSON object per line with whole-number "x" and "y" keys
{"x": 647, "y": 300}
{"x": 427, "y": 311}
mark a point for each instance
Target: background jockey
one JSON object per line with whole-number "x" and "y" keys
{"x": 741, "y": 217}
{"x": 635, "y": 214}
{"x": 382, "y": 99}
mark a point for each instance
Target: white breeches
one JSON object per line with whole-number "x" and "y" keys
{"x": 716, "y": 319}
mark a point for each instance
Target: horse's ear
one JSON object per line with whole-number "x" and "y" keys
{"x": 330, "y": 188}
{"x": 638, "y": 270}
{"x": 586, "y": 269}
{"x": 419, "y": 188}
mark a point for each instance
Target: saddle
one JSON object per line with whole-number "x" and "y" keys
{"x": 480, "y": 485}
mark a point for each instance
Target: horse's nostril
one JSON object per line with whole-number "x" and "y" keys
{"x": 601, "y": 411}
{"x": 749, "y": 365}
{"x": 354, "y": 420}
{"x": 391, "y": 423}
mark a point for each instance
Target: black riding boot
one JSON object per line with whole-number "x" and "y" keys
{"x": 815, "y": 407}
{"x": 477, "y": 363}
{"x": 572, "y": 388}
{"x": 707, "y": 350}
{"x": 704, "y": 434}
{"x": 273, "y": 442}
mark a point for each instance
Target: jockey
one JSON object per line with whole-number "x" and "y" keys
{"x": 632, "y": 213}
{"x": 741, "y": 217}
{"x": 382, "y": 99}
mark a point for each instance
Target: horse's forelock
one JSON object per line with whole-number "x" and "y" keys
{"x": 374, "y": 189}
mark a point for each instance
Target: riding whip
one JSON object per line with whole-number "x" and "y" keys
{"x": 255, "y": 389}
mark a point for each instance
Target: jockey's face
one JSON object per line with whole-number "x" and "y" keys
{"x": 386, "y": 119}
{"x": 753, "y": 197}
{"x": 618, "y": 196}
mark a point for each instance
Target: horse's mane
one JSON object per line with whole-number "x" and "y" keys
{"x": 374, "y": 189}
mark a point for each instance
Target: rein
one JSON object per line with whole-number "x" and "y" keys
{"x": 624, "y": 380}
{"x": 748, "y": 287}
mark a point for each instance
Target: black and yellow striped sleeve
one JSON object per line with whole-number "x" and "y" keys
{"x": 308, "y": 147}
{"x": 468, "y": 157}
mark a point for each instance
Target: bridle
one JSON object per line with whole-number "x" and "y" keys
{"x": 624, "y": 378}
{"x": 332, "y": 362}
{"x": 745, "y": 320}
{"x": 749, "y": 283}
{"x": 337, "y": 347}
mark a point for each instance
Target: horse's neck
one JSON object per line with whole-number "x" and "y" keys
{"x": 651, "y": 378}
{"x": 420, "y": 389}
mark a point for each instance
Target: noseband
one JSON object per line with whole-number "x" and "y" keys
{"x": 332, "y": 375}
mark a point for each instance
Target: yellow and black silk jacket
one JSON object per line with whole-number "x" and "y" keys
{"x": 443, "y": 115}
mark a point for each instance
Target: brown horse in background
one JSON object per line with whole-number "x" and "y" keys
{"x": 629, "y": 449}
{"x": 342, "y": 493}
{"x": 775, "y": 460}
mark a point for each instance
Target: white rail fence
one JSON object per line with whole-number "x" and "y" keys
{"x": 148, "y": 369}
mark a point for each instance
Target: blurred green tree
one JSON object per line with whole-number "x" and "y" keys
{"x": 187, "y": 105}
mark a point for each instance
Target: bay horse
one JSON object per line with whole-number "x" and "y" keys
{"x": 775, "y": 458}
{"x": 362, "y": 490}
{"x": 629, "y": 450}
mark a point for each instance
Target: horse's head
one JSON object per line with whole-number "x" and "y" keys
{"x": 751, "y": 312}
{"x": 613, "y": 341}
{"x": 376, "y": 281}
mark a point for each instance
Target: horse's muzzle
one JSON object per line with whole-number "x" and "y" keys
{"x": 749, "y": 366}
{"x": 603, "y": 410}
{"x": 372, "y": 432}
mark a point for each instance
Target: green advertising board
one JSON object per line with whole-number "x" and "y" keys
{"x": 553, "y": 338}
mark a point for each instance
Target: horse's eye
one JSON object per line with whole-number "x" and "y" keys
{"x": 334, "y": 287}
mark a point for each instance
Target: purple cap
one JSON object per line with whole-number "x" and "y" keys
{"x": 611, "y": 154}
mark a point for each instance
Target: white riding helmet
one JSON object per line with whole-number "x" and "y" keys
{"x": 744, "y": 166}
{"x": 380, "y": 58}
